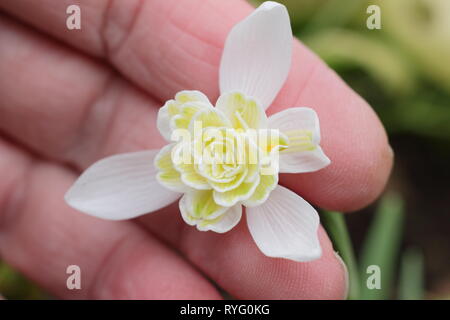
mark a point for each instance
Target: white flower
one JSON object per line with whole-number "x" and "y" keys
{"x": 254, "y": 66}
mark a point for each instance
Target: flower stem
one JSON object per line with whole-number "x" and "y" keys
{"x": 336, "y": 227}
{"x": 381, "y": 248}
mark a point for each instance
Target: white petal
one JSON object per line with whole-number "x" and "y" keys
{"x": 285, "y": 226}
{"x": 257, "y": 54}
{"x": 120, "y": 187}
{"x": 305, "y": 161}
{"x": 299, "y": 118}
{"x": 296, "y": 159}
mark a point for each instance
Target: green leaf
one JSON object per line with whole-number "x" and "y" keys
{"x": 411, "y": 276}
{"x": 334, "y": 223}
{"x": 424, "y": 114}
{"x": 421, "y": 29}
{"x": 344, "y": 49}
{"x": 334, "y": 13}
{"x": 15, "y": 286}
{"x": 381, "y": 247}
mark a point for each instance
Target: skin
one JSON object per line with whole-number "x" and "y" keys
{"x": 69, "y": 98}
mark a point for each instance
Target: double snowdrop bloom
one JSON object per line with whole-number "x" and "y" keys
{"x": 220, "y": 159}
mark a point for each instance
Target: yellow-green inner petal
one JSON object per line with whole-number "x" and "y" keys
{"x": 210, "y": 118}
{"x": 243, "y": 112}
{"x": 262, "y": 191}
{"x": 299, "y": 140}
{"x": 167, "y": 174}
{"x": 203, "y": 205}
{"x": 185, "y": 114}
{"x": 242, "y": 192}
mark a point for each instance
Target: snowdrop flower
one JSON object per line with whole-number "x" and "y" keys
{"x": 254, "y": 66}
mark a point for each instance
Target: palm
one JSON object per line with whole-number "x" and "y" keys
{"x": 62, "y": 109}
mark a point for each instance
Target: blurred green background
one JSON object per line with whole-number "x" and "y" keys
{"x": 403, "y": 71}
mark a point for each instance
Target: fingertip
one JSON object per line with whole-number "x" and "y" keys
{"x": 346, "y": 275}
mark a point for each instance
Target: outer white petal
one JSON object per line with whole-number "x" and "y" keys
{"x": 301, "y": 162}
{"x": 294, "y": 119}
{"x": 299, "y": 118}
{"x": 285, "y": 226}
{"x": 120, "y": 187}
{"x": 257, "y": 54}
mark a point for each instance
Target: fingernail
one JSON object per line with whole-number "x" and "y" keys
{"x": 346, "y": 278}
{"x": 391, "y": 151}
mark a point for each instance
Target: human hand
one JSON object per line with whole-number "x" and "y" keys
{"x": 95, "y": 93}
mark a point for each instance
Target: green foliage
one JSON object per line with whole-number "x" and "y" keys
{"x": 426, "y": 115}
{"x": 407, "y": 59}
{"x": 334, "y": 223}
{"x": 411, "y": 276}
{"x": 381, "y": 247}
{"x": 14, "y": 286}
{"x": 422, "y": 31}
{"x": 344, "y": 49}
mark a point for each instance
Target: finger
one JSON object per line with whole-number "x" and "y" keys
{"x": 176, "y": 52}
{"x": 75, "y": 109}
{"x": 41, "y": 236}
{"x": 155, "y": 46}
{"x": 238, "y": 266}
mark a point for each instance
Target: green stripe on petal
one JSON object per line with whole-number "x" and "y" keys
{"x": 172, "y": 108}
{"x": 224, "y": 222}
{"x": 270, "y": 139}
{"x": 243, "y": 112}
{"x": 200, "y": 205}
{"x": 210, "y": 118}
{"x": 183, "y": 163}
{"x": 186, "y": 168}
{"x": 204, "y": 206}
{"x": 204, "y": 223}
{"x": 227, "y": 186}
{"x": 191, "y": 178}
{"x": 266, "y": 184}
{"x": 191, "y": 95}
{"x": 167, "y": 175}
{"x": 186, "y": 112}
{"x": 300, "y": 140}
{"x": 243, "y": 192}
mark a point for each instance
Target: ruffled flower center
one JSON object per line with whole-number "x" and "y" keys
{"x": 223, "y": 155}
